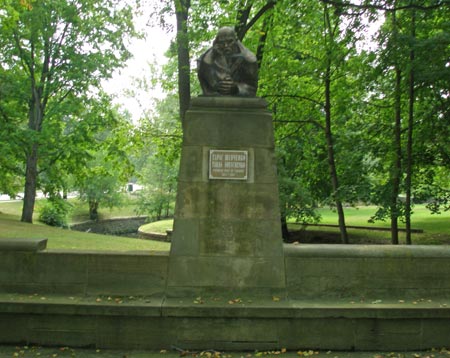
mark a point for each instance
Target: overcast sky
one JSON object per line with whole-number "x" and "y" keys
{"x": 145, "y": 51}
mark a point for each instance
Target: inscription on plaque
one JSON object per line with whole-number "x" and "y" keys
{"x": 228, "y": 164}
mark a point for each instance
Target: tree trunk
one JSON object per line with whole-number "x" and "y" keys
{"x": 284, "y": 228}
{"x": 35, "y": 118}
{"x": 409, "y": 154}
{"x": 184, "y": 68}
{"x": 243, "y": 21}
{"x": 397, "y": 155}
{"x": 331, "y": 160}
{"x": 243, "y": 13}
{"x": 93, "y": 210}
{"x": 29, "y": 198}
{"x": 262, "y": 39}
{"x": 397, "y": 161}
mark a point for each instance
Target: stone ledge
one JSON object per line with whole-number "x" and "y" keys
{"x": 158, "y": 306}
{"x": 261, "y": 325}
{"x": 23, "y": 244}
{"x": 79, "y": 306}
{"x": 87, "y": 253}
{"x": 362, "y": 251}
{"x": 148, "y": 235}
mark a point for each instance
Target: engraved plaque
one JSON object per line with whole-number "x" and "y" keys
{"x": 228, "y": 164}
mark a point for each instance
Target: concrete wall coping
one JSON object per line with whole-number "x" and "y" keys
{"x": 301, "y": 250}
{"x": 361, "y": 251}
{"x": 104, "y": 253}
{"x": 161, "y": 307}
{"x": 23, "y": 244}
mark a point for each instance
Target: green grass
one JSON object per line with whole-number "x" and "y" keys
{"x": 159, "y": 227}
{"x": 12, "y": 227}
{"x": 436, "y": 228}
{"x": 80, "y": 211}
{"x": 12, "y": 208}
{"x": 359, "y": 216}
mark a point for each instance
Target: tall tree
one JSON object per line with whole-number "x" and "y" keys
{"x": 63, "y": 48}
{"x": 101, "y": 181}
{"x": 331, "y": 31}
{"x": 409, "y": 142}
{"x": 406, "y": 66}
{"x": 184, "y": 65}
{"x": 308, "y": 70}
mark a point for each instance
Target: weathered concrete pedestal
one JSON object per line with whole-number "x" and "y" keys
{"x": 227, "y": 232}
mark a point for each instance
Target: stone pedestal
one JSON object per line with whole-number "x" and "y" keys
{"x": 227, "y": 231}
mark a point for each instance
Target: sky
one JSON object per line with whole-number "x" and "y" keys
{"x": 151, "y": 49}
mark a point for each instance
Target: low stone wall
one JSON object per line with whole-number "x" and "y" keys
{"x": 337, "y": 298}
{"x": 146, "y": 235}
{"x": 116, "y": 226}
{"x": 312, "y": 271}
{"x": 367, "y": 271}
{"x": 81, "y": 272}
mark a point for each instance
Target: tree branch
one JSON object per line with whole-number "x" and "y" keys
{"x": 385, "y": 7}
{"x": 268, "y": 6}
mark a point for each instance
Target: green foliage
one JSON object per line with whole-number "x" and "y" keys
{"x": 159, "y": 159}
{"x": 108, "y": 167}
{"x": 54, "y": 55}
{"x": 306, "y": 46}
{"x": 54, "y": 212}
{"x": 100, "y": 184}
{"x": 425, "y": 34}
{"x": 157, "y": 199}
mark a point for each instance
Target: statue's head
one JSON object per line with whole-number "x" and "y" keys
{"x": 225, "y": 42}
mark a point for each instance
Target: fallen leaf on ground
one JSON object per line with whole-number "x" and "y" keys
{"x": 236, "y": 300}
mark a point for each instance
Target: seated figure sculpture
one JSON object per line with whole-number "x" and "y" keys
{"x": 228, "y": 68}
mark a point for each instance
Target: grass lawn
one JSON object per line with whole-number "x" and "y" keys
{"x": 159, "y": 227}
{"x": 436, "y": 229}
{"x": 80, "y": 210}
{"x": 12, "y": 227}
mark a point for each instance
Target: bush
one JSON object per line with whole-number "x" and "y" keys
{"x": 55, "y": 212}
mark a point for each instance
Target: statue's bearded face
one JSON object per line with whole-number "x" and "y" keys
{"x": 225, "y": 44}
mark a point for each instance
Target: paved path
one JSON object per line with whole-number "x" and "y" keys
{"x": 65, "y": 352}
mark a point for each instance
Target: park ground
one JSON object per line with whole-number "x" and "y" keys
{"x": 436, "y": 231}
{"x": 66, "y": 352}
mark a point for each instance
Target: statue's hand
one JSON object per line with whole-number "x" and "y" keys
{"x": 227, "y": 87}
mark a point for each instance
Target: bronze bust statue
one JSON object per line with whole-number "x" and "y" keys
{"x": 228, "y": 68}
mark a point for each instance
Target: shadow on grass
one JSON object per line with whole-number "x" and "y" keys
{"x": 362, "y": 237}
